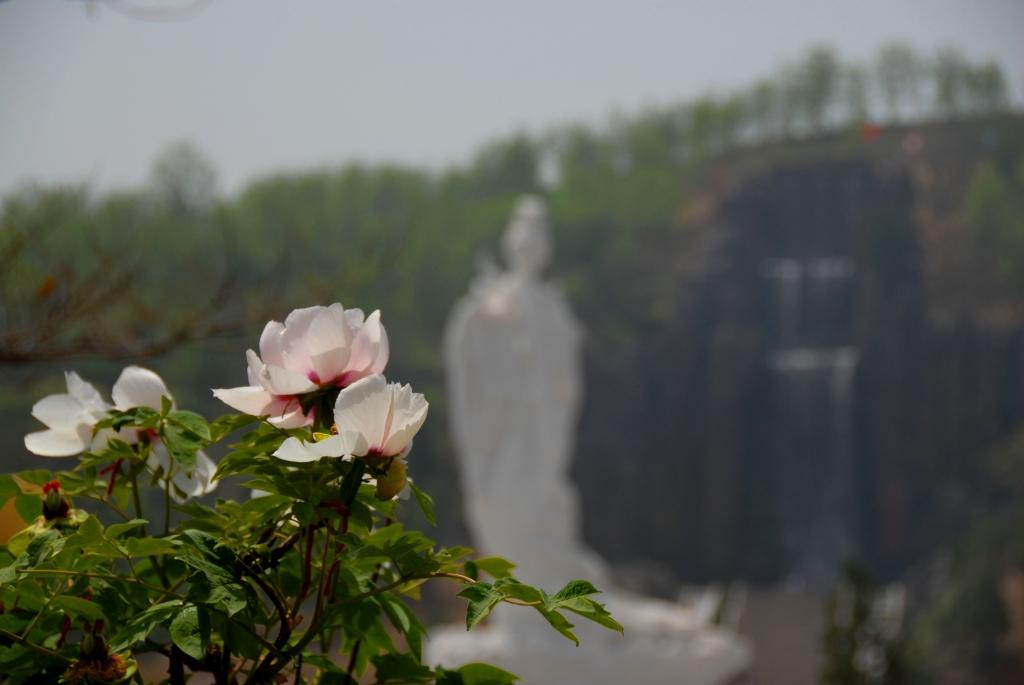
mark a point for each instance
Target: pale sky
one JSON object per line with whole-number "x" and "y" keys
{"x": 265, "y": 85}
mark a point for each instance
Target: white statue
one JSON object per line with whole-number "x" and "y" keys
{"x": 514, "y": 387}
{"x": 514, "y": 383}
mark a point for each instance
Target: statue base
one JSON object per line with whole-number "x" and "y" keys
{"x": 664, "y": 644}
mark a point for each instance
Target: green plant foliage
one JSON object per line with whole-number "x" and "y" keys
{"x": 318, "y": 573}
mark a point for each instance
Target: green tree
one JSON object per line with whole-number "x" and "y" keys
{"x": 899, "y": 71}
{"x": 819, "y": 77}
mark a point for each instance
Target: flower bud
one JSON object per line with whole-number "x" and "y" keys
{"x": 54, "y": 504}
{"x": 392, "y": 482}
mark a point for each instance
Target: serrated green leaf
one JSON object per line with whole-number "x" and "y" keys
{"x": 574, "y": 588}
{"x": 593, "y": 611}
{"x": 190, "y": 631}
{"x": 559, "y": 623}
{"x": 482, "y": 598}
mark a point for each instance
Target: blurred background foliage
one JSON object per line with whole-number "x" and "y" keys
{"x": 176, "y": 276}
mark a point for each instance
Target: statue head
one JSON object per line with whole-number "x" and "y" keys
{"x": 527, "y": 240}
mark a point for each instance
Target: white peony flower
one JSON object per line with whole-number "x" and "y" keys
{"x": 315, "y": 347}
{"x": 374, "y": 418}
{"x": 69, "y": 419}
{"x": 139, "y": 387}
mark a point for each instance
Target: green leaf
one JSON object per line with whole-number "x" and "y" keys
{"x": 76, "y": 606}
{"x": 138, "y": 417}
{"x": 559, "y": 623}
{"x": 91, "y": 530}
{"x": 35, "y": 476}
{"x": 425, "y": 501}
{"x": 229, "y": 423}
{"x": 495, "y": 566}
{"x": 190, "y": 422}
{"x": 485, "y": 674}
{"x": 238, "y": 636}
{"x": 574, "y": 588}
{"x": 405, "y": 621}
{"x": 117, "y": 529}
{"x": 401, "y": 668}
{"x": 232, "y": 597}
{"x": 8, "y": 489}
{"x": 42, "y": 545}
{"x": 140, "y": 626}
{"x": 482, "y": 599}
{"x": 593, "y": 611}
{"x": 165, "y": 405}
{"x": 510, "y": 587}
{"x": 182, "y": 445}
{"x": 202, "y": 552}
{"x": 8, "y": 574}
{"x": 147, "y": 547}
{"x": 190, "y": 631}
{"x": 28, "y": 506}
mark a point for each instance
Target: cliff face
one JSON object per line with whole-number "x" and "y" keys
{"x": 800, "y": 407}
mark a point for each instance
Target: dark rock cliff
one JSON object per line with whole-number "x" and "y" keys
{"x": 801, "y": 406}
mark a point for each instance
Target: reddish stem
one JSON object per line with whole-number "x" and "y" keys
{"x": 113, "y": 470}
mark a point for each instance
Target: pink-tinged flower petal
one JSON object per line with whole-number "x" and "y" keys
{"x": 328, "y": 343}
{"x": 291, "y": 419}
{"x": 409, "y": 411}
{"x": 354, "y": 318}
{"x": 293, "y": 339}
{"x": 365, "y": 408}
{"x": 57, "y": 410}
{"x": 51, "y": 443}
{"x": 254, "y": 367}
{"x": 139, "y": 387}
{"x": 270, "y": 343}
{"x": 281, "y": 381}
{"x": 248, "y": 400}
{"x": 370, "y": 348}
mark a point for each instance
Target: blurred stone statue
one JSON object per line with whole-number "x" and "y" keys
{"x": 514, "y": 377}
{"x": 512, "y": 354}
